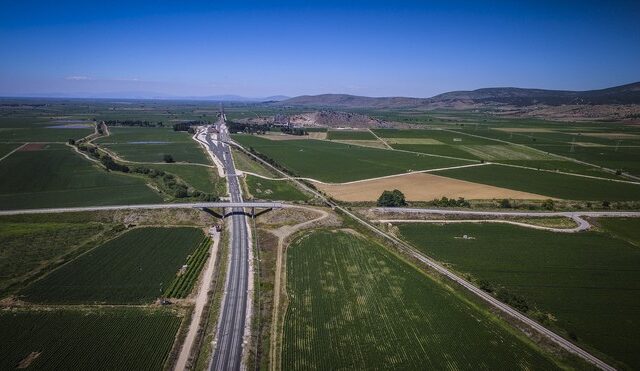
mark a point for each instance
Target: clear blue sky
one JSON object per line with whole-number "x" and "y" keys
{"x": 375, "y": 48}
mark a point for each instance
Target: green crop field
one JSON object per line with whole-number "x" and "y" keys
{"x": 202, "y": 178}
{"x": 182, "y": 285}
{"x": 151, "y": 144}
{"x": 57, "y": 177}
{"x": 133, "y": 268}
{"x": 353, "y": 305}
{"x": 99, "y": 339}
{"x": 337, "y": 162}
{"x": 5, "y": 148}
{"x": 548, "y": 184}
{"x": 627, "y": 229}
{"x": 586, "y": 282}
{"x": 350, "y": 135}
{"x": 28, "y": 248}
{"x": 436, "y": 149}
{"x": 279, "y": 190}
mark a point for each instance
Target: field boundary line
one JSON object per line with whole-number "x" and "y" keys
{"x": 580, "y": 227}
{"x": 566, "y": 173}
{"x": 490, "y": 300}
{"x": 202, "y": 299}
{"x": 547, "y": 153}
{"x": 380, "y": 139}
{"x": 13, "y": 151}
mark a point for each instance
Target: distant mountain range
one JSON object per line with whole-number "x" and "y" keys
{"x": 516, "y": 97}
{"x": 153, "y": 95}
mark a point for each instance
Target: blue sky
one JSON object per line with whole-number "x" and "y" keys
{"x": 375, "y": 48}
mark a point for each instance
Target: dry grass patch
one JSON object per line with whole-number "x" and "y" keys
{"x": 525, "y": 130}
{"x": 363, "y": 143}
{"x": 503, "y": 152}
{"x": 612, "y": 135}
{"x": 421, "y": 187}
{"x": 412, "y": 141}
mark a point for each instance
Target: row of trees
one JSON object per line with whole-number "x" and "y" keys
{"x": 187, "y": 125}
{"x": 141, "y": 123}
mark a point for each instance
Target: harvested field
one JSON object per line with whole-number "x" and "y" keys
{"x": 421, "y": 187}
{"x": 281, "y": 136}
{"x": 613, "y": 135}
{"x": 412, "y": 141}
{"x": 504, "y": 152}
{"x": 525, "y": 130}
{"x": 364, "y": 143}
{"x": 33, "y": 147}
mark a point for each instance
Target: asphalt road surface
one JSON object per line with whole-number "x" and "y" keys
{"x": 227, "y": 354}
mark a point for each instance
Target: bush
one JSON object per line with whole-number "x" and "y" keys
{"x": 393, "y": 198}
{"x": 505, "y": 203}
{"x": 168, "y": 159}
{"x": 548, "y": 204}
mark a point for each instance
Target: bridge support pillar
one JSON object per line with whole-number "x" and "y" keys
{"x": 253, "y": 213}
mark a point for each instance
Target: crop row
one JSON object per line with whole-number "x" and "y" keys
{"x": 182, "y": 285}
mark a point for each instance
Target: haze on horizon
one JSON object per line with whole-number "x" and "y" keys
{"x": 259, "y": 49}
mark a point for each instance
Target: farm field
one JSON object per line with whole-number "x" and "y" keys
{"x": 54, "y": 176}
{"x": 627, "y": 229}
{"x": 279, "y": 190}
{"x": 151, "y": 144}
{"x": 421, "y": 187}
{"x": 350, "y": 135}
{"x": 5, "y": 148}
{"x": 26, "y": 249}
{"x": 130, "y": 269}
{"x": 602, "y": 147}
{"x": 202, "y": 178}
{"x": 96, "y": 339}
{"x": 336, "y": 162}
{"x": 584, "y": 284}
{"x": 545, "y": 183}
{"x": 354, "y": 305}
{"x": 182, "y": 285}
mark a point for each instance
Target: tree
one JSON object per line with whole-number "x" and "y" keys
{"x": 168, "y": 159}
{"x": 505, "y": 203}
{"x": 393, "y": 198}
{"x": 72, "y": 141}
{"x": 548, "y": 204}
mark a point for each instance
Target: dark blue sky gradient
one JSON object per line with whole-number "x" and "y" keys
{"x": 303, "y": 47}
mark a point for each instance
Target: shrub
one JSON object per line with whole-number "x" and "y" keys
{"x": 393, "y": 198}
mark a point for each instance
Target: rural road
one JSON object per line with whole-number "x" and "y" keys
{"x": 577, "y": 216}
{"x": 229, "y": 345}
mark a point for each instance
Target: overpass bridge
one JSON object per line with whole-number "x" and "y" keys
{"x": 193, "y": 205}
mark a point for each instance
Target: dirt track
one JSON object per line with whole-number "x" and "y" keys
{"x": 421, "y": 187}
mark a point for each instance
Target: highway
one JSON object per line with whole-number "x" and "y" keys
{"x": 228, "y": 345}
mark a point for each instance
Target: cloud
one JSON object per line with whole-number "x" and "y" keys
{"x": 77, "y": 78}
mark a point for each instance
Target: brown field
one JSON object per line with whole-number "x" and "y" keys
{"x": 412, "y": 141}
{"x": 33, "y": 147}
{"x": 278, "y": 136}
{"x": 421, "y": 187}
{"x": 363, "y": 143}
{"x": 612, "y": 135}
{"x": 525, "y": 130}
{"x": 587, "y": 144}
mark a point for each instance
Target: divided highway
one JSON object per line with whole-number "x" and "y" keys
{"x": 231, "y": 322}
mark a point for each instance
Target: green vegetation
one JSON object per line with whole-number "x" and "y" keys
{"x": 393, "y": 198}
{"x": 141, "y": 144}
{"x": 350, "y": 135}
{"x": 548, "y": 184}
{"x": 187, "y": 277}
{"x": 354, "y": 305}
{"x": 133, "y": 268}
{"x": 27, "y": 249}
{"x": 105, "y": 339}
{"x": 336, "y": 162}
{"x": 57, "y": 177}
{"x": 42, "y": 134}
{"x": 584, "y": 284}
{"x": 202, "y": 178}
{"x": 280, "y": 190}
{"x": 627, "y": 229}
{"x": 5, "y": 148}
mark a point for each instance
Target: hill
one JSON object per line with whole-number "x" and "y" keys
{"x": 508, "y": 96}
